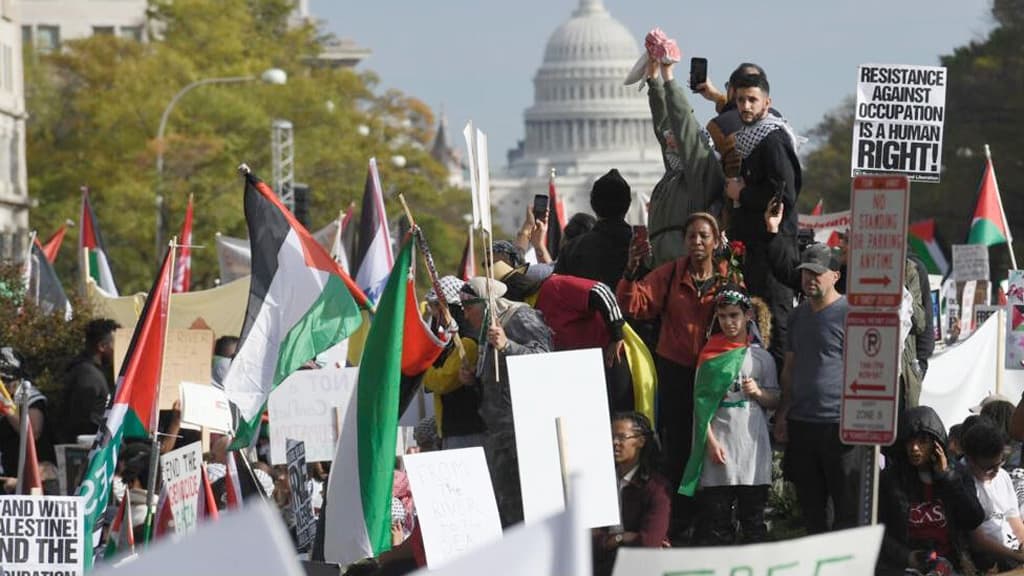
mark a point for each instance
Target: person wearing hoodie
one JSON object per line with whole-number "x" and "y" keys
{"x": 927, "y": 501}
{"x": 601, "y": 254}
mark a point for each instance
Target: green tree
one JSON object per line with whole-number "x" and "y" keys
{"x": 983, "y": 105}
{"x": 95, "y": 108}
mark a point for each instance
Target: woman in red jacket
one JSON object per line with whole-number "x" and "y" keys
{"x": 681, "y": 294}
{"x": 643, "y": 493}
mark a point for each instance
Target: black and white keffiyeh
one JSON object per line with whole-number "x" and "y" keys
{"x": 749, "y": 137}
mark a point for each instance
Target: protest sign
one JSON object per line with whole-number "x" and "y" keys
{"x": 42, "y": 535}
{"x": 455, "y": 503}
{"x": 302, "y": 506}
{"x": 970, "y": 262}
{"x": 303, "y": 408}
{"x": 181, "y": 473}
{"x": 1015, "y": 320}
{"x": 834, "y": 554}
{"x": 541, "y": 392}
{"x": 188, "y": 357}
{"x": 252, "y": 540}
{"x": 205, "y": 406}
{"x": 898, "y": 121}
{"x": 967, "y": 308}
{"x": 825, "y": 226}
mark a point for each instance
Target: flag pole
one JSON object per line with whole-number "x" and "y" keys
{"x": 421, "y": 241}
{"x": 24, "y": 428}
{"x": 1002, "y": 212}
{"x": 154, "y": 457}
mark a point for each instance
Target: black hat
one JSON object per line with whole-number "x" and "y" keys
{"x": 818, "y": 258}
{"x": 610, "y": 197}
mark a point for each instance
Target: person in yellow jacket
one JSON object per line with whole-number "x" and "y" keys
{"x": 452, "y": 378}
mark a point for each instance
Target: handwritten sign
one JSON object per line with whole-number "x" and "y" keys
{"x": 302, "y": 503}
{"x": 454, "y": 502}
{"x": 188, "y": 355}
{"x": 42, "y": 535}
{"x": 834, "y": 554}
{"x": 303, "y": 408}
{"x": 970, "y": 262}
{"x": 898, "y": 122}
{"x": 182, "y": 480}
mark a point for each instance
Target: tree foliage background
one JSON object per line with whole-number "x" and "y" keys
{"x": 983, "y": 105}
{"x": 95, "y": 107}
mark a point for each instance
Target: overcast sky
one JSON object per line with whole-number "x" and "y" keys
{"x": 477, "y": 58}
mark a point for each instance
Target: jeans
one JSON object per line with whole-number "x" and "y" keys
{"x": 824, "y": 471}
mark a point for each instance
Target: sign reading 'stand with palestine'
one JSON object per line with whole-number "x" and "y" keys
{"x": 898, "y": 121}
{"x": 42, "y": 535}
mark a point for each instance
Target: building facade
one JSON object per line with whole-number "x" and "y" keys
{"x": 14, "y": 198}
{"x": 583, "y": 121}
{"x": 47, "y": 23}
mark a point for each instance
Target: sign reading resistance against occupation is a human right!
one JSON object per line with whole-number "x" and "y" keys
{"x": 898, "y": 121}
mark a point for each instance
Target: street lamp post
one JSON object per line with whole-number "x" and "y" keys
{"x": 270, "y": 76}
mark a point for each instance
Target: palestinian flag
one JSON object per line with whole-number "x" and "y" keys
{"x": 42, "y": 285}
{"x": 300, "y": 304}
{"x": 358, "y": 512}
{"x": 52, "y": 245}
{"x": 91, "y": 253}
{"x": 989, "y": 226}
{"x": 556, "y": 218}
{"x": 718, "y": 366}
{"x": 183, "y": 263}
{"x": 921, "y": 237}
{"x": 373, "y": 258}
{"x": 133, "y": 412}
{"x": 122, "y": 535}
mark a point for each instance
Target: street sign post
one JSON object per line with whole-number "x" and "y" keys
{"x": 878, "y": 240}
{"x": 871, "y": 384}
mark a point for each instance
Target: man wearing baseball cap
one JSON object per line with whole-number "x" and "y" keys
{"x": 820, "y": 466}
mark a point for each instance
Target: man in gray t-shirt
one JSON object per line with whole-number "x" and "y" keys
{"x": 820, "y": 466}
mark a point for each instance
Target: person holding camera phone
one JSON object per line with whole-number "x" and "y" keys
{"x": 693, "y": 176}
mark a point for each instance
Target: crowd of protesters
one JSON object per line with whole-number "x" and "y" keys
{"x": 720, "y": 269}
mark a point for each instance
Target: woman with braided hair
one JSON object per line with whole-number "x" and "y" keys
{"x": 643, "y": 493}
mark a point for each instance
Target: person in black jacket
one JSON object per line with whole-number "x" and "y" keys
{"x": 927, "y": 500}
{"x": 601, "y": 253}
{"x": 87, "y": 391}
{"x": 770, "y": 170}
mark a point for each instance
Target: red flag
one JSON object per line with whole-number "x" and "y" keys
{"x": 207, "y": 502}
{"x": 467, "y": 266}
{"x": 52, "y": 245}
{"x": 819, "y": 209}
{"x": 31, "y": 479}
{"x": 164, "y": 515}
{"x": 183, "y": 265}
{"x": 556, "y": 224}
{"x": 420, "y": 347}
{"x": 232, "y": 486}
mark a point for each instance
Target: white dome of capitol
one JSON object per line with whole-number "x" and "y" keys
{"x": 591, "y": 35}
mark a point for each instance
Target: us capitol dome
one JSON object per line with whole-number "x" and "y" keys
{"x": 583, "y": 122}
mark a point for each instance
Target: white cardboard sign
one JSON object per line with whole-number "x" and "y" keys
{"x": 182, "y": 471}
{"x": 878, "y": 240}
{"x": 303, "y": 408}
{"x": 42, "y": 534}
{"x": 455, "y": 502}
{"x": 970, "y": 262}
{"x": 871, "y": 357}
{"x": 898, "y": 121}
{"x": 205, "y": 406}
{"x": 569, "y": 385}
{"x": 842, "y": 553}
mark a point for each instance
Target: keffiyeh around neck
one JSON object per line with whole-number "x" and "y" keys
{"x": 749, "y": 137}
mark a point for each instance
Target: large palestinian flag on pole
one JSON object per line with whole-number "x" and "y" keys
{"x": 357, "y": 521}
{"x": 300, "y": 304}
{"x": 133, "y": 412}
{"x": 91, "y": 253}
{"x": 718, "y": 366}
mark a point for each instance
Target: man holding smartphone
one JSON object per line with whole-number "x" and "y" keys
{"x": 770, "y": 171}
